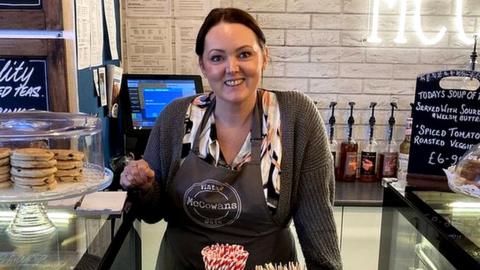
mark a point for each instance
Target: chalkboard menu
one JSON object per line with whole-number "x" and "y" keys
{"x": 446, "y": 123}
{"x": 21, "y": 4}
{"x": 23, "y": 84}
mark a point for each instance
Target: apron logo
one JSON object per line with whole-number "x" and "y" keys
{"x": 212, "y": 204}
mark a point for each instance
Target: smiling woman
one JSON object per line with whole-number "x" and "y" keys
{"x": 244, "y": 163}
{"x": 232, "y": 62}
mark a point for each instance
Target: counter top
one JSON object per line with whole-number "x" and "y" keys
{"x": 358, "y": 194}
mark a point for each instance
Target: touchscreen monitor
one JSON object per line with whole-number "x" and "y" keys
{"x": 147, "y": 95}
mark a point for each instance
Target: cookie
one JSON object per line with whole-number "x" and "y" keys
{"x": 4, "y": 152}
{"x": 4, "y": 169}
{"x": 69, "y": 178}
{"x": 47, "y": 187}
{"x": 67, "y": 165}
{"x": 71, "y": 172}
{"x": 5, "y": 177}
{"x": 31, "y": 154}
{"x": 68, "y": 154}
{"x": 4, "y": 161}
{"x": 32, "y": 172}
{"x": 33, "y": 181}
{"x": 5, "y": 184}
{"x": 33, "y": 163}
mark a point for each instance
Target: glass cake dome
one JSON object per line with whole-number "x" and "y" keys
{"x": 47, "y": 156}
{"x": 42, "y": 129}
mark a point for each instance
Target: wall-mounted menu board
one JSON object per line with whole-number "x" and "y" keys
{"x": 30, "y": 4}
{"x": 446, "y": 123}
{"x": 32, "y": 74}
{"x": 31, "y": 14}
{"x": 23, "y": 84}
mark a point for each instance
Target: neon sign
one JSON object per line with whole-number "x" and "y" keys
{"x": 417, "y": 20}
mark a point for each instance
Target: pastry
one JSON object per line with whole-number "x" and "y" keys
{"x": 4, "y": 152}
{"x": 32, "y": 172}
{"x": 32, "y": 154}
{"x": 68, "y": 154}
{"x": 4, "y": 161}
{"x": 67, "y": 165}
{"x": 33, "y": 181}
{"x": 5, "y": 177}
{"x": 49, "y": 186}
{"x": 33, "y": 163}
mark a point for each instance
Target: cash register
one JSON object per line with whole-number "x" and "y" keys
{"x": 144, "y": 97}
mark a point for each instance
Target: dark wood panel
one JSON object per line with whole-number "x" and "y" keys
{"x": 13, "y": 19}
{"x": 47, "y": 18}
{"x": 57, "y": 76}
{"x": 53, "y": 10}
{"x": 19, "y": 47}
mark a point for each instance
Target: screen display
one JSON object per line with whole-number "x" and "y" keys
{"x": 148, "y": 97}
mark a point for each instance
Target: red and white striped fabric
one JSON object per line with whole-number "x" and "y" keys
{"x": 224, "y": 257}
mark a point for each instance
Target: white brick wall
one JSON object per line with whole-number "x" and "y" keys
{"x": 319, "y": 47}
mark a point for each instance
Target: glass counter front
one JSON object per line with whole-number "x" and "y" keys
{"x": 78, "y": 242}
{"x": 429, "y": 230}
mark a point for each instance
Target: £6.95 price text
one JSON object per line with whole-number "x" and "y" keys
{"x": 439, "y": 158}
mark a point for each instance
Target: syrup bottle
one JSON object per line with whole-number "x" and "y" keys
{"x": 332, "y": 141}
{"x": 348, "y": 153}
{"x": 388, "y": 162}
{"x": 404, "y": 152}
{"x": 368, "y": 157}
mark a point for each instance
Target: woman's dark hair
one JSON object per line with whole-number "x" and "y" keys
{"x": 229, "y": 15}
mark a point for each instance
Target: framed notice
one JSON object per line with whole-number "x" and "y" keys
{"x": 23, "y": 84}
{"x": 31, "y": 14}
{"x": 33, "y": 75}
{"x": 446, "y": 123}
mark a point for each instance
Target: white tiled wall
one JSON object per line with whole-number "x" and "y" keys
{"x": 319, "y": 47}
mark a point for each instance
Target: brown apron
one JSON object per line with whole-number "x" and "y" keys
{"x": 212, "y": 205}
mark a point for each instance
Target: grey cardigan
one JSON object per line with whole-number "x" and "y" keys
{"x": 307, "y": 179}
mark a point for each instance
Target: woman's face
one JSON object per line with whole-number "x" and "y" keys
{"x": 233, "y": 62}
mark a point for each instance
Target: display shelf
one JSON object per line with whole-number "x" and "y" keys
{"x": 31, "y": 223}
{"x": 94, "y": 179}
{"x": 36, "y": 143}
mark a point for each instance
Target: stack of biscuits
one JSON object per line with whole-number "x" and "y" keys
{"x": 69, "y": 165}
{"x": 5, "y": 168}
{"x": 33, "y": 169}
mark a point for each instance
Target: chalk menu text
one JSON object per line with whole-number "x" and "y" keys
{"x": 23, "y": 84}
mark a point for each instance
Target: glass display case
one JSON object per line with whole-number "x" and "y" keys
{"x": 429, "y": 230}
{"x": 79, "y": 242}
{"x": 47, "y": 156}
